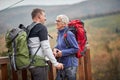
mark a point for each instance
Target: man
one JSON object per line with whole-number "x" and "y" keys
{"x": 66, "y": 55}
{"x": 39, "y": 37}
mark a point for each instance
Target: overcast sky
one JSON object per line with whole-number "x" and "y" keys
{"x": 7, "y": 3}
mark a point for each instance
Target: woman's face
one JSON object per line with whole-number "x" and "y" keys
{"x": 59, "y": 24}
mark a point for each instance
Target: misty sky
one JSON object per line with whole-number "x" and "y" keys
{"x": 7, "y": 3}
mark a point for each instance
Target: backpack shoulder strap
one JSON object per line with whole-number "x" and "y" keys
{"x": 65, "y": 39}
{"x": 29, "y": 28}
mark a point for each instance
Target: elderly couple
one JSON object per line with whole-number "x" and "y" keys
{"x": 67, "y": 63}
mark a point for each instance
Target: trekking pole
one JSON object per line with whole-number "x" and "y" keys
{"x": 61, "y": 71}
{"x": 62, "y": 75}
{"x": 50, "y": 36}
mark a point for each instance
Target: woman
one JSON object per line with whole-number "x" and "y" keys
{"x": 66, "y": 55}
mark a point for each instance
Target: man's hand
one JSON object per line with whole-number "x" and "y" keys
{"x": 59, "y": 54}
{"x": 60, "y": 66}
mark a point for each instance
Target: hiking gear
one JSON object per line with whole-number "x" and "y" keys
{"x": 17, "y": 44}
{"x": 77, "y": 27}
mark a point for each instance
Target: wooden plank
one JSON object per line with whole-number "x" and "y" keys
{"x": 4, "y": 60}
{"x": 4, "y": 72}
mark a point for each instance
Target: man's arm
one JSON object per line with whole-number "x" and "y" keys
{"x": 46, "y": 49}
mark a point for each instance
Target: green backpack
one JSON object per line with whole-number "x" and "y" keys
{"x": 19, "y": 54}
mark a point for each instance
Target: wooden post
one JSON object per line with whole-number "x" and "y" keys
{"x": 50, "y": 73}
{"x": 85, "y": 66}
{"x": 4, "y": 71}
{"x": 14, "y": 74}
{"x": 81, "y": 71}
{"x": 87, "y": 63}
{"x": 24, "y": 74}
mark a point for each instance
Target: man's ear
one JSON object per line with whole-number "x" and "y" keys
{"x": 39, "y": 17}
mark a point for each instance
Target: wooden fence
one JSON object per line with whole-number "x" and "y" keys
{"x": 83, "y": 73}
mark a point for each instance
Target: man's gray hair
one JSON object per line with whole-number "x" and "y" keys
{"x": 64, "y": 18}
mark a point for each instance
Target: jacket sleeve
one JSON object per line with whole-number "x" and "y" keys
{"x": 73, "y": 45}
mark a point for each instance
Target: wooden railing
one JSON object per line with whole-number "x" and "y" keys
{"x": 3, "y": 62}
{"x": 83, "y": 73}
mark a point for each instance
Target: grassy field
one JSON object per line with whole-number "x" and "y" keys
{"x": 104, "y": 39}
{"x": 102, "y": 32}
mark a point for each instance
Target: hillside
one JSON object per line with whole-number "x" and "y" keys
{"x": 104, "y": 39}
{"x": 14, "y": 16}
{"x": 103, "y": 32}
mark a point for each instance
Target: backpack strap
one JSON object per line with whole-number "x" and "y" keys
{"x": 73, "y": 30}
{"x": 13, "y": 62}
{"x": 65, "y": 39}
{"x": 29, "y": 28}
{"x": 50, "y": 36}
{"x": 32, "y": 58}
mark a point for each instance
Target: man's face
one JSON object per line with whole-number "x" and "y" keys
{"x": 42, "y": 18}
